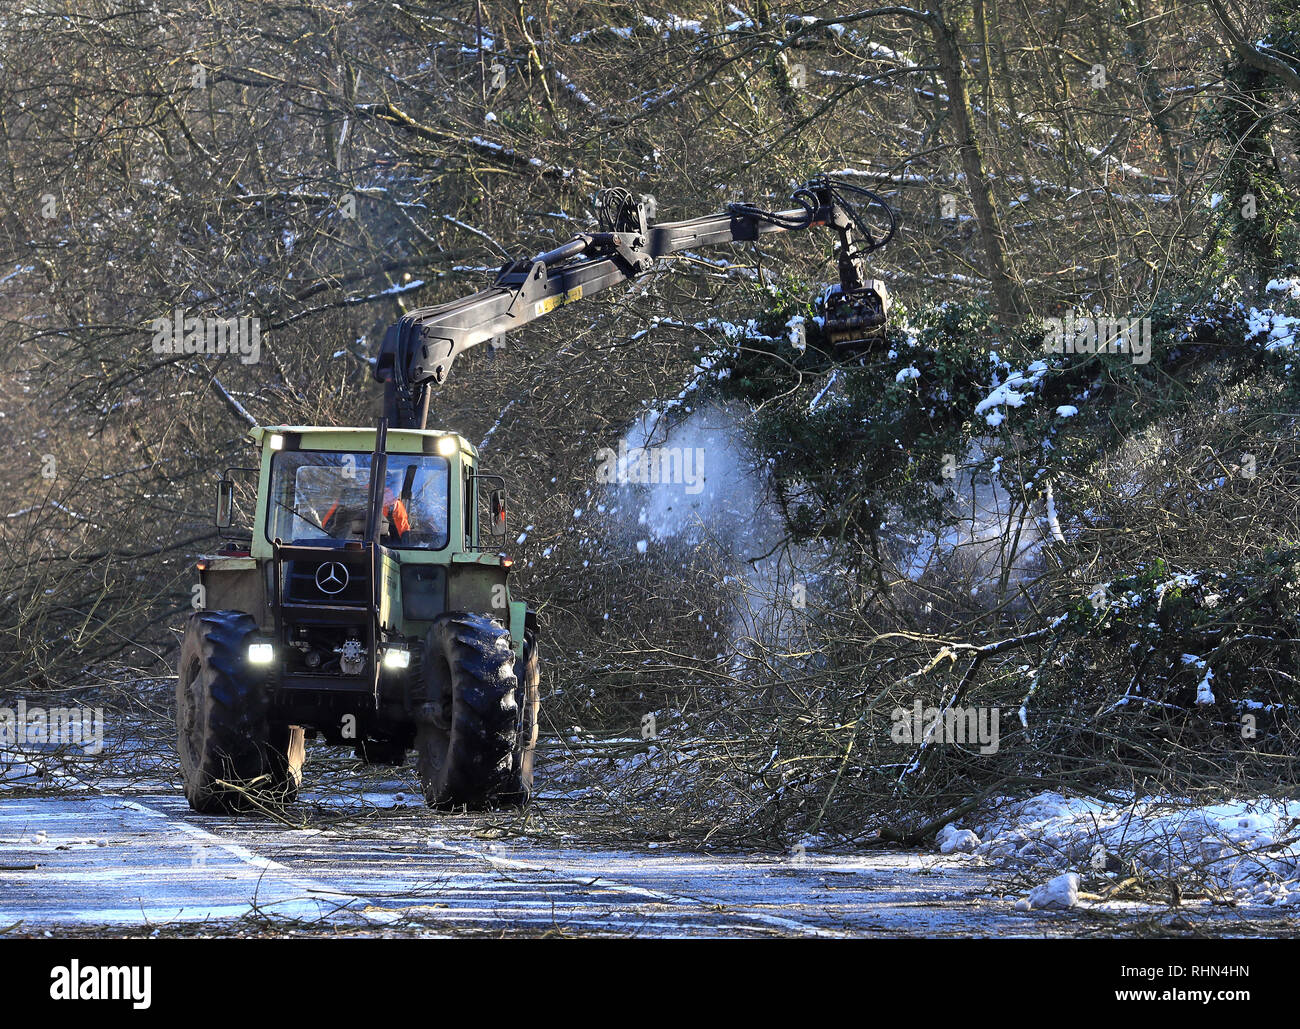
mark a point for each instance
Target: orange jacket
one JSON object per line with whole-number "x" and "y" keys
{"x": 395, "y": 512}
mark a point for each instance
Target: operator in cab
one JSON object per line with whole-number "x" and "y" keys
{"x": 340, "y": 517}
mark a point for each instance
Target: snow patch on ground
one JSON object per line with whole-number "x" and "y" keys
{"x": 1061, "y": 892}
{"x": 960, "y": 841}
{"x": 1247, "y": 851}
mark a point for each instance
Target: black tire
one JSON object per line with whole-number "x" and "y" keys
{"x": 232, "y": 757}
{"x": 528, "y": 673}
{"x": 467, "y": 740}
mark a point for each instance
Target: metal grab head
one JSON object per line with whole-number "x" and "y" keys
{"x": 858, "y": 318}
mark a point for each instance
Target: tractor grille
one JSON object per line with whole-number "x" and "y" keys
{"x": 333, "y": 580}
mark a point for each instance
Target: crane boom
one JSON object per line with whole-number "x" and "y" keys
{"x": 418, "y": 351}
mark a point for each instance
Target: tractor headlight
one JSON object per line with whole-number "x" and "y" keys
{"x": 260, "y": 653}
{"x": 447, "y": 445}
{"x": 276, "y": 441}
{"x": 397, "y": 657}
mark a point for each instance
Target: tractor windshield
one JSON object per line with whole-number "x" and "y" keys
{"x": 317, "y": 495}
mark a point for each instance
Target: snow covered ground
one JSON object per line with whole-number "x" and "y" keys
{"x": 1243, "y": 852}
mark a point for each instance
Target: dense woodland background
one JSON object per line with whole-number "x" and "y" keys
{"x": 325, "y": 166}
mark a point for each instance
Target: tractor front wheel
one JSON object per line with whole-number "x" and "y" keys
{"x": 233, "y": 758}
{"x": 529, "y": 675}
{"x": 468, "y": 738}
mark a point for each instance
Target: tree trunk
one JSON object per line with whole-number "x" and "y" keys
{"x": 1007, "y": 289}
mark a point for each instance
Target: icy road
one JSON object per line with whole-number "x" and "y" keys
{"x": 95, "y": 864}
{"x": 142, "y": 863}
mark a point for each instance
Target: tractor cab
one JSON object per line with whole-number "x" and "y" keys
{"x": 396, "y": 513}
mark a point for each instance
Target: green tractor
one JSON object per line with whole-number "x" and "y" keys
{"x": 364, "y": 608}
{"x": 364, "y": 604}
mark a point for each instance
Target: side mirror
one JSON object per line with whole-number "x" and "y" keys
{"x": 497, "y": 505}
{"x": 225, "y": 503}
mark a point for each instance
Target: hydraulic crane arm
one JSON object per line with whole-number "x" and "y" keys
{"x": 418, "y": 351}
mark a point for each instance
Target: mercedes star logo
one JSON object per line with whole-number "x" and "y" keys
{"x": 331, "y": 577}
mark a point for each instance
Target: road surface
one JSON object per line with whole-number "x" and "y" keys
{"x": 142, "y": 862}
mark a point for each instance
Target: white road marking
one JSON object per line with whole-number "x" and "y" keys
{"x": 233, "y": 849}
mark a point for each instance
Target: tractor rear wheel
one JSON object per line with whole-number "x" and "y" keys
{"x": 233, "y": 758}
{"x": 468, "y": 738}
